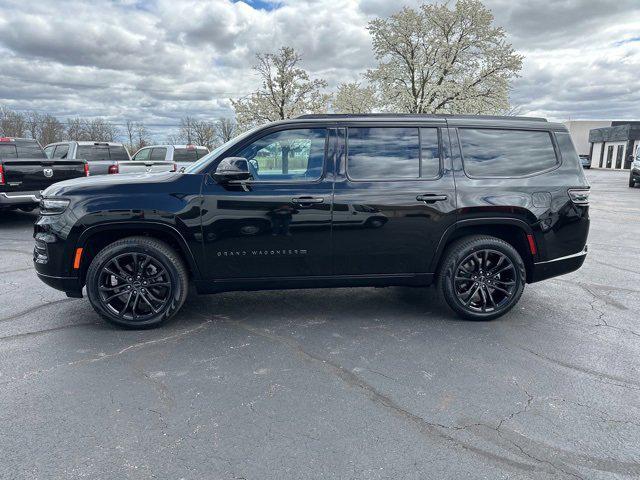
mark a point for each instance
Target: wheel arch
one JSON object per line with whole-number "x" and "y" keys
{"x": 512, "y": 230}
{"x": 97, "y": 237}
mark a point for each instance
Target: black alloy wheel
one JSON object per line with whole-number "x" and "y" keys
{"x": 485, "y": 281}
{"x": 134, "y": 286}
{"x": 482, "y": 277}
{"x": 137, "y": 282}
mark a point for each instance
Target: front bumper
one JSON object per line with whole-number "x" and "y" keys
{"x": 69, "y": 285}
{"x": 19, "y": 198}
{"x": 558, "y": 266}
{"x": 49, "y": 261}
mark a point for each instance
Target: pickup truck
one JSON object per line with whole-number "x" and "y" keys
{"x": 25, "y": 171}
{"x": 181, "y": 155}
{"x": 105, "y": 157}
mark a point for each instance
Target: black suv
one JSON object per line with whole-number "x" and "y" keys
{"x": 478, "y": 205}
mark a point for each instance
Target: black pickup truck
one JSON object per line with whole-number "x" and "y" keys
{"x": 25, "y": 171}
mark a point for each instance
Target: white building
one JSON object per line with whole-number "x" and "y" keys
{"x": 616, "y": 146}
{"x": 579, "y": 131}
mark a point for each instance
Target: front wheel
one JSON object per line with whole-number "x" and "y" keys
{"x": 137, "y": 282}
{"x": 482, "y": 277}
{"x": 632, "y": 182}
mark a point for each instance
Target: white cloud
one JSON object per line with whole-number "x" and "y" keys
{"x": 159, "y": 60}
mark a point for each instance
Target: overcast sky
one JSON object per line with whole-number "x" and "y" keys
{"x": 155, "y": 61}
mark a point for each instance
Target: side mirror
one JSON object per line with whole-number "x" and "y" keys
{"x": 232, "y": 168}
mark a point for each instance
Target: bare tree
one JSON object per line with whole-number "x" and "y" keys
{"x": 97, "y": 130}
{"x": 33, "y": 122}
{"x": 439, "y": 59}
{"x": 205, "y": 133}
{"x": 75, "y": 129}
{"x": 137, "y": 136}
{"x": 186, "y": 132}
{"x": 51, "y": 130}
{"x": 354, "y": 98}
{"x": 226, "y": 129}
{"x": 287, "y": 91}
{"x": 12, "y": 124}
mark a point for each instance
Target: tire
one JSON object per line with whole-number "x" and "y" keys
{"x": 501, "y": 280}
{"x": 632, "y": 182}
{"x": 152, "y": 297}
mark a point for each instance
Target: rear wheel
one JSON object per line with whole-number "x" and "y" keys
{"x": 482, "y": 277}
{"x": 137, "y": 282}
{"x": 632, "y": 182}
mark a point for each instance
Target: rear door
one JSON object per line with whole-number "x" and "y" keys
{"x": 394, "y": 198}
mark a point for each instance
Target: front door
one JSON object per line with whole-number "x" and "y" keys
{"x": 393, "y": 199}
{"x": 278, "y": 224}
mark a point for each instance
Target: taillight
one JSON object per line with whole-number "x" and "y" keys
{"x": 1, "y": 175}
{"x": 175, "y": 167}
{"x": 86, "y": 169}
{"x": 113, "y": 169}
{"x": 6, "y": 139}
{"x": 579, "y": 196}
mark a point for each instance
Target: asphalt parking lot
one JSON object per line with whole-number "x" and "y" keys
{"x": 344, "y": 383}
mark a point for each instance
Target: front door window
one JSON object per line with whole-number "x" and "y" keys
{"x": 289, "y": 155}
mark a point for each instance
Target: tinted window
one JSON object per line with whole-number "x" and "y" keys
{"x": 567, "y": 150}
{"x": 287, "y": 155}
{"x": 61, "y": 151}
{"x": 505, "y": 153}
{"x": 92, "y": 153}
{"x": 48, "y": 151}
{"x": 383, "y": 153}
{"x": 142, "y": 154}
{"x": 158, "y": 154}
{"x": 28, "y": 149}
{"x": 8, "y": 151}
{"x": 117, "y": 153}
{"x": 184, "y": 155}
{"x": 430, "y": 158}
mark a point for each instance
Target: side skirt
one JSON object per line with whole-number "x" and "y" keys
{"x": 286, "y": 283}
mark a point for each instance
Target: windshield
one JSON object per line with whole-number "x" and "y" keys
{"x": 198, "y": 166}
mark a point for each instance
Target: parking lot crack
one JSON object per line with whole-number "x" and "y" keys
{"x": 423, "y": 426}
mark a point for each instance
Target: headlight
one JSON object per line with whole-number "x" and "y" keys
{"x": 53, "y": 206}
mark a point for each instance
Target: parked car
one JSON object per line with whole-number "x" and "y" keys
{"x": 478, "y": 205}
{"x": 105, "y": 157}
{"x": 634, "y": 174}
{"x": 25, "y": 171}
{"x": 181, "y": 155}
{"x": 585, "y": 160}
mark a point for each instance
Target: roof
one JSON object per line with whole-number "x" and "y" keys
{"x": 86, "y": 142}
{"x": 444, "y": 119}
{"x": 200, "y": 147}
{"x": 415, "y": 116}
{"x": 619, "y": 132}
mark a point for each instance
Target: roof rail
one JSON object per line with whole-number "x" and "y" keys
{"x": 417, "y": 115}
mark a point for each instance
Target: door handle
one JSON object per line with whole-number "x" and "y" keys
{"x": 431, "y": 197}
{"x": 307, "y": 200}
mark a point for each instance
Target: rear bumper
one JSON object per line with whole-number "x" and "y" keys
{"x": 558, "y": 266}
{"x": 19, "y": 198}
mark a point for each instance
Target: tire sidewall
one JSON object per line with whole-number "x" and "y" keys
{"x": 453, "y": 261}
{"x": 107, "y": 255}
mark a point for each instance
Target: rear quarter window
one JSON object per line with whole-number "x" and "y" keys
{"x": 29, "y": 150}
{"x": 118, "y": 153}
{"x": 506, "y": 153}
{"x": 92, "y": 153}
{"x": 185, "y": 155}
